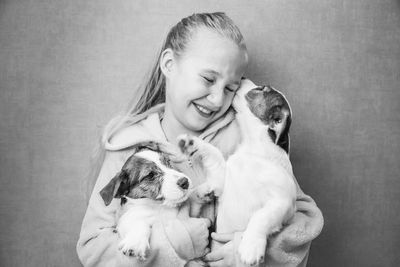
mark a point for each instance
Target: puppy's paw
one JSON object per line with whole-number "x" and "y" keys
{"x": 252, "y": 249}
{"x": 205, "y": 193}
{"x": 208, "y": 197}
{"x": 188, "y": 144}
{"x": 135, "y": 247}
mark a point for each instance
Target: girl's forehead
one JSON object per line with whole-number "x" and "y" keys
{"x": 212, "y": 51}
{"x": 203, "y": 39}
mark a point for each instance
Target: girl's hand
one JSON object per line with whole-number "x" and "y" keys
{"x": 225, "y": 254}
{"x": 198, "y": 231}
{"x": 188, "y": 236}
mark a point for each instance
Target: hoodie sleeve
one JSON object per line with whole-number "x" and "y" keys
{"x": 98, "y": 241}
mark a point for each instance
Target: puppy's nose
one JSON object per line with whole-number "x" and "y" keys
{"x": 183, "y": 183}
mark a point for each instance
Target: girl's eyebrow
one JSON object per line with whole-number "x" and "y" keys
{"x": 212, "y": 72}
{"x": 216, "y": 73}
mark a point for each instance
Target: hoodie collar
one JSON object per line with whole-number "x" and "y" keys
{"x": 147, "y": 126}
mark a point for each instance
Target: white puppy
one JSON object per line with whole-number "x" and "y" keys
{"x": 256, "y": 182}
{"x": 145, "y": 184}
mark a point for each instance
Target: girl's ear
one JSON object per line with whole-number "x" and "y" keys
{"x": 166, "y": 61}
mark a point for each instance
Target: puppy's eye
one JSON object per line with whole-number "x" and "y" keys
{"x": 150, "y": 176}
{"x": 278, "y": 120}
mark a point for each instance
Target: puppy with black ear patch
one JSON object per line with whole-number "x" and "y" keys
{"x": 272, "y": 108}
{"x": 255, "y": 186}
{"x": 145, "y": 184}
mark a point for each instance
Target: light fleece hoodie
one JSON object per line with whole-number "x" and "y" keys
{"x": 98, "y": 241}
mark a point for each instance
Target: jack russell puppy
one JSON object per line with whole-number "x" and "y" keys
{"x": 255, "y": 186}
{"x": 146, "y": 184}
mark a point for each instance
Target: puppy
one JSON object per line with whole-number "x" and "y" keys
{"x": 145, "y": 184}
{"x": 255, "y": 185}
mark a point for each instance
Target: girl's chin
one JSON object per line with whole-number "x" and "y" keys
{"x": 199, "y": 123}
{"x": 197, "y": 126}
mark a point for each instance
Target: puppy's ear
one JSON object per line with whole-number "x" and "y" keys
{"x": 267, "y": 88}
{"x": 279, "y": 124}
{"x": 284, "y": 142}
{"x": 115, "y": 188}
{"x": 279, "y": 130}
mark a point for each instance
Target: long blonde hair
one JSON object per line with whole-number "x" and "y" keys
{"x": 152, "y": 92}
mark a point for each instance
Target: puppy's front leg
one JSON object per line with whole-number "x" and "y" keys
{"x": 135, "y": 239}
{"x": 201, "y": 196}
{"x": 213, "y": 162}
{"x": 263, "y": 223}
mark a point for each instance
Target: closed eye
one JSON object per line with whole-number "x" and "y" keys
{"x": 208, "y": 80}
{"x": 211, "y": 81}
{"x": 230, "y": 89}
{"x": 233, "y": 87}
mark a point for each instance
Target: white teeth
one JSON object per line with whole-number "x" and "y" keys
{"x": 202, "y": 109}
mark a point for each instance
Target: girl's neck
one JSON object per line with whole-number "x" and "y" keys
{"x": 173, "y": 128}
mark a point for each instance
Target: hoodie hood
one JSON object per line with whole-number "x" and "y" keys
{"x": 147, "y": 127}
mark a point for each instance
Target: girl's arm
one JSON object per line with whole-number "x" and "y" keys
{"x": 98, "y": 241}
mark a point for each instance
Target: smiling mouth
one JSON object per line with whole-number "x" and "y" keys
{"x": 203, "y": 111}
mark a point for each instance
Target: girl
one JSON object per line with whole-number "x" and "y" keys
{"x": 190, "y": 90}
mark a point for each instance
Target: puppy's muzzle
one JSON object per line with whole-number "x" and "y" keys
{"x": 183, "y": 183}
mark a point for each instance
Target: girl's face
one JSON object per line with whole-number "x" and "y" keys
{"x": 201, "y": 84}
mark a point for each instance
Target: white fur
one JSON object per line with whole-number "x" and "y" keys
{"x": 134, "y": 226}
{"x": 170, "y": 192}
{"x": 138, "y": 215}
{"x": 213, "y": 164}
{"x": 259, "y": 191}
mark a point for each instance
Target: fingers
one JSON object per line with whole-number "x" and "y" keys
{"x": 217, "y": 264}
{"x": 214, "y": 255}
{"x": 199, "y": 222}
{"x": 223, "y": 238}
{"x": 206, "y": 251}
{"x": 196, "y": 263}
{"x": 208, "y": 222}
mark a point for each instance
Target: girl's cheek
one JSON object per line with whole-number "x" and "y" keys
{"x": 201, "y": 90}
{"x": 229, "y": 98}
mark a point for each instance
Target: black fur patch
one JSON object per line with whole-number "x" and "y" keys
{"x": 139, "y": 177}
{"x": 145, "y": 178}
{"x": 270, "y": 106}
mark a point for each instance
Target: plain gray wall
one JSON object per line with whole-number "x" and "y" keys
{"x": 68, "y": 66}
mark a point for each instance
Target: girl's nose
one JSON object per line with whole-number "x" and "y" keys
{"x": 216, "y": 97}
